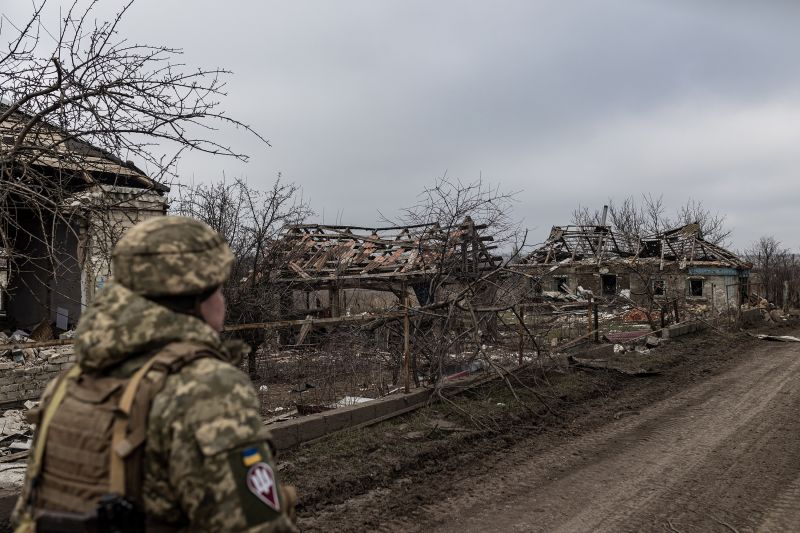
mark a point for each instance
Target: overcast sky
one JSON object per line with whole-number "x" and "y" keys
{"x": 366, "y": 102}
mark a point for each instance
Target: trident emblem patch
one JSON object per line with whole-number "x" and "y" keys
{"x": 261, "y": 482}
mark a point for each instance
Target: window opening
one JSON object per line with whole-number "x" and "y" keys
{"x": 609, "y": 284}
{"x": 659, "y": 287}
{"x": 696, "y": 287}
{"x": 561, "y": 283}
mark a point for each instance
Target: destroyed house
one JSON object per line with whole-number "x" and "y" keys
{"x": 54, "y": 259}
{"x": 674, "y": 265}
{"x": 334, "y": 270}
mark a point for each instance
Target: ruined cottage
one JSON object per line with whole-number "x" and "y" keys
{"x": 54, "y": 258}
{"x": 674, "y": 266}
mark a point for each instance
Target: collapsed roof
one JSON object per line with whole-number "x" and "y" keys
{"x": 357, "y": 256}
{"x": 48, "y": 148}
{"x": 596, "y": 244}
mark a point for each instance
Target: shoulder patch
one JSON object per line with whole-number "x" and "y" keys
{"x": 257, "y": 484}
{"x": 261, "y": 482}
{"x": 251, "y": 456}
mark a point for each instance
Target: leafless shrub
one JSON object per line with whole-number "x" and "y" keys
{"x": 775, "y": 265}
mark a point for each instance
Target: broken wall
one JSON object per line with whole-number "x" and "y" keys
{"x": 27, "y": 380}
{"x": 113, "y": 210}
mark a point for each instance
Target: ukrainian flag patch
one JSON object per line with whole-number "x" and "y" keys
{"x": 251, "y": 456}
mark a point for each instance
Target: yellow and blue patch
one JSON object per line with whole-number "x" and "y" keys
{"x": 256, "y": 483}
{"x": 251, "y": 456}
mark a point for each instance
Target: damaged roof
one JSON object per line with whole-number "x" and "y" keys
{"x": 580, "y": 243}
{"x": 323, "y": 253}
{"x": 596, "y": 244}
{"x": 687, "y": 244}
{"x": 47, "y": 146}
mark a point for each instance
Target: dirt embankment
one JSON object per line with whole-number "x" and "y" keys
{"x": 686, "y": 448}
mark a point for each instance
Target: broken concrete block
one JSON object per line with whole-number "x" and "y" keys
{"x": 21, "y": 445}
{"x": 652, "y": 341}
{"x": 67, "y": 334}
{"x": 58, "y": 358}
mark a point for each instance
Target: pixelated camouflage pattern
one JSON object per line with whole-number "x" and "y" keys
{"x": 204, "y": 412}
{"x": 165, "y": 256}
{"x": 119, "y": 323}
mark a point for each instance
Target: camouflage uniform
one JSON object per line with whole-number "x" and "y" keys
{"x": 204, "y": 432}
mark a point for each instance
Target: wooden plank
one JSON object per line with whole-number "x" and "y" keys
{"x": 14, "y": 457}
{"x": 296, "y": 268}
{"x": 304, "y": 330}
{"x": 280, "y": 324}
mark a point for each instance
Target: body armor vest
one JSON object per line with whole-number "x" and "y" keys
{"x": 91, "y": 434}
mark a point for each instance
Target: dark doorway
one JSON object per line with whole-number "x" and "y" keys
{"x": 609, "y": 284}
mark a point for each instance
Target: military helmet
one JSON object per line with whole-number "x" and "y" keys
{"x": 171, "y": 256}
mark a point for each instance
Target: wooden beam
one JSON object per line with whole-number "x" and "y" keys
{"x": 281, "y": 324}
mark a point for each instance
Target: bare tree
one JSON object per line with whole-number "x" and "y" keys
{"x": 713, "y": 225}
{"x": 774, "y": 265}
{"x": 251, "y": 220}
{"x": 633, "y": 221}
{"x": 80, "y": 107}
{"x": 459, "y": 220}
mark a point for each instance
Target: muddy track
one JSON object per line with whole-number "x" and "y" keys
{"x": 721, "y": 455}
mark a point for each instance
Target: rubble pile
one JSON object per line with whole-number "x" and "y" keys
{"x": 15, "y": 442}
{"x": 15, "y": 431}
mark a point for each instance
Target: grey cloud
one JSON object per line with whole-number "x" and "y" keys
{"x": 572, "y": 102}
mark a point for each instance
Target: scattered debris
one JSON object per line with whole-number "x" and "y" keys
{"x": 44, "y": 331}
{"x": 623, "y": 337}
{"x": 604, "y": 364}
{"x": 69, "y": 334}
{"x": 303, "y": 388}
{"x": 351, "y": 400}
{"x": 652, "y": 341}
{"x": 311, "y": 409}
{"x": 779, "y": 338}
{"x": 414, "y": 435}
{"x": 20, "y": 336}
{"x": 15, "y": 434}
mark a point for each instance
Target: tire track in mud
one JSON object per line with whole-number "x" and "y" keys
{"x": 784, "y": 514}
{"x": 722, "y": 453}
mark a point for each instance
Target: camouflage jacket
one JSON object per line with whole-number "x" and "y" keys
{"x": 207, "y": 462}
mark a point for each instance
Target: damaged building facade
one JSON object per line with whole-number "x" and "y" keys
{"x": 54, "y": 260}
{"x": 674, "y": 266}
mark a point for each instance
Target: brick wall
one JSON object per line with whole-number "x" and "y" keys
{"x": 26, "y": 381}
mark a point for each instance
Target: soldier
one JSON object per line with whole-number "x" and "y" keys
{"x": 155, "y": 429}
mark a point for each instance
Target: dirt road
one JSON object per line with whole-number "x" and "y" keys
{"x": 722, "y": 455}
